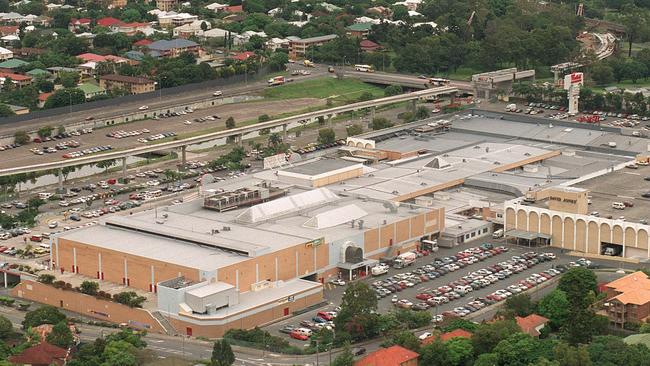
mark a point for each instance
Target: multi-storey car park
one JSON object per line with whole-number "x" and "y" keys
{"x": 255, "y": 249}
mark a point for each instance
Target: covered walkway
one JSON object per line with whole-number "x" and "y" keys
{"x": 528, "y": 238}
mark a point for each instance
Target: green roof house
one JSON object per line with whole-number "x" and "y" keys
{"x": 90, "y": 90}
{"x": 38, "y": 72}
{"x": 12, "y": 64}
{"x": 360, "y": 30}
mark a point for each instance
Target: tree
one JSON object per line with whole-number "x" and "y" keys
{"x": 119, "y": 353}
{"x": 345, "y": 358}
{"x": 6, "y": 328}
{"x": 516, "y": 350}
{"x": 44, "y": 315}
{"x": 572, "y": 356}
{"x": 358, "y": 318}
{"x": 486, "y": 359}
{"x": 354, "y": 130}
{"x": 393, "y": 90}
{"x": 106, "y": 164}
{"x": 635, "y": 70}
{"x": 487, "y": 335}
{"x": 222, "y": 354}
{"x": 407, "y": 340}
{"x": 45, "y": 131}
{"x": 21, "y": 137}
{"x": 635, "y": 25}
{"x": 578, "y": 283}
{"x": 326, "y": 136}
{"x": 422, "y": 113}
{"x": 130, "y": 298}
{"x": 520, "y": 305}
{"x": 6, "y": 111}
{"x": 602, "y": 73}
{"x": 278, "y": 60}
{"x": 263, "y": 118}
{"x": 65, "y": 97}
{"x": 69, "y": 79}
{"x": 204, "y": 26}
{"x": 35, "y": 203}
{"x": 230, "y": 123}
{"x": 460, "y": 351}
{"x": 60, "y": 336}
{"x": 380, "y": 123}
{"x": 435, "y": 354}
{"x": 555, "y": 307}
{"x": 89, "y": 287}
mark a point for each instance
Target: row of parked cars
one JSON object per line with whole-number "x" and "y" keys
{"x": 124, "y": 134}
{"x": 436, "y": 269}
{"x": 480, "y": 279}
{"x": 60, "y": 146}
{"x": 88, "y": 151}
{"x": 158, "y": 136}
{"x": 314, "y": 147}
{"x": 173, "y": 114}
{"x": 63, "y": 135}
{"x": 207, "y": 118}
{"x": 322, "y": 319}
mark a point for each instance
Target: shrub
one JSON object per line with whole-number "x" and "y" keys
{"x": 89, "y": 287}
{"x": 129, "y": 298}
{"x": 46, "y": 279}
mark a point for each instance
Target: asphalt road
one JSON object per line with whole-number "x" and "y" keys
{"x": 154, "y": 102}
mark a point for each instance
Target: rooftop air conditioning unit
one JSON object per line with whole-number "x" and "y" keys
{"x": 226, "y": 228}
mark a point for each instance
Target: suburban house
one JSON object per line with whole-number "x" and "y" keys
{"x": 42, "y": 354}
{"x": 174, "y": 19}
{"x": 391, "y": 356}
{"x": 174, "y": 47}
{"x": 274, "y": 44}
{"x": 5, "y": 54}
{"x": 368, "y": 46}
{"x": 216, "y": 7}
{"x": 42, "y": 98}
{"x": 91, "y": 90}
{"x": 18, "y": 79}
{"x": 132, "y": 84}
{"x": 9, "y": 30}
{"x": 298, "y": 47}
{"x": 359, "y": 30}
{"x": 628, "y": 299}
{"x": 191, "y": 29}
{"x": 166, "y": 5}
{"x": 118, "y": 3}
{"x": 109, "y": 22}
{"x": 131, "y": 29}
{"x": 12, "y": 65}
{"x": 531, "y": 324}
{"x": 79, "y": 24}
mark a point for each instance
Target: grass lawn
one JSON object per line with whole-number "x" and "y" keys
{"x": 625, "y": 84}
{"x": 339, "y": 90}
{"x": 463, "y": 73}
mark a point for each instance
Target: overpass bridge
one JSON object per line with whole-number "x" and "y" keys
{"x": 236, "y": 133}
{"x": 408, "y": 81}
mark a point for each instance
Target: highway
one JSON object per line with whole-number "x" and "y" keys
{"x": 156, "y": 101}
{"x": 239, "y": 131}
{"x": 410, "y": 81}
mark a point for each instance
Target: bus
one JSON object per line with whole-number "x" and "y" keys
{"x": 439, "y": 81}
{"x": 364, "y": 68}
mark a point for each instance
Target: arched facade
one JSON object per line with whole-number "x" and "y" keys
{"x": 581, "y": 233}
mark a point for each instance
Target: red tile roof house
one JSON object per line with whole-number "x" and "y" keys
{"x": 242, "y": 56}
{"x": 368, "y": 46}
{"x": 109, "y": 22}
{"x": 531, "y": 324}
{"x": 391, "y": 356}
{"x": 42, "y": 354}
{"x": 142, "y": 43}
{"x": 9, "y": 30}
{"x": 444, "y": 337}
{"x": 234, "y": 9}
{"x": 78, "y": 23}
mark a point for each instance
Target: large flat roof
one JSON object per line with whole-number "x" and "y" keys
{"x": 624, "y": 185}
{"x": 319, "y": 166}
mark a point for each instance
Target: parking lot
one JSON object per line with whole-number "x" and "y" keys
{"x": 334, "y": 293}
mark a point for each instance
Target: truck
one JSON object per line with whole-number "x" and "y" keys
{"x": 275, "y": 81}
{"x": 404, "y": 259}
{"x": 308, "y": 63}
{"x": 379, "y": 269}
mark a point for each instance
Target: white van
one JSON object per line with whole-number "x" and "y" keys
{"x": 45, "y": 195}
{"x": 618, "y": 205}
{"x": 44, "y": 245}
{"x": 497, "y": 234}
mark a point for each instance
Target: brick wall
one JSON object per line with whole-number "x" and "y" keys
{"x": 86, "y": 305}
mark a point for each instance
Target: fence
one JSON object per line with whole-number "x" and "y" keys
{"x": 166, "y": 92}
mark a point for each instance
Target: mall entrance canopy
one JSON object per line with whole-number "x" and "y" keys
{"x": 356, "y": 270}
{"x": 528, "y": 238}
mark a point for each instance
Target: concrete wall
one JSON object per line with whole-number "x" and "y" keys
{"x": 87, "y": 305}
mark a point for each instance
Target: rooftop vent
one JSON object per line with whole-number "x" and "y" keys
{"x": 360, "y": 224}
{"x": 226, "y": 228}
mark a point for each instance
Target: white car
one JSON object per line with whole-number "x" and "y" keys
{"x": 338, "y": 282}
{"x": 218, "y": 93}
{"x": 53, "y": 225}
{"x": 424, "y": 336}
{"x": 187, "y": 122}
{"x": 144, "y": 108}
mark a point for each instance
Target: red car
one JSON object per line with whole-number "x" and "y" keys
{"x": 298, "y": 336}
{"x": 423, "y": 296}
{"x": 324, "y": 315}
{"x": 3, "y": 248}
